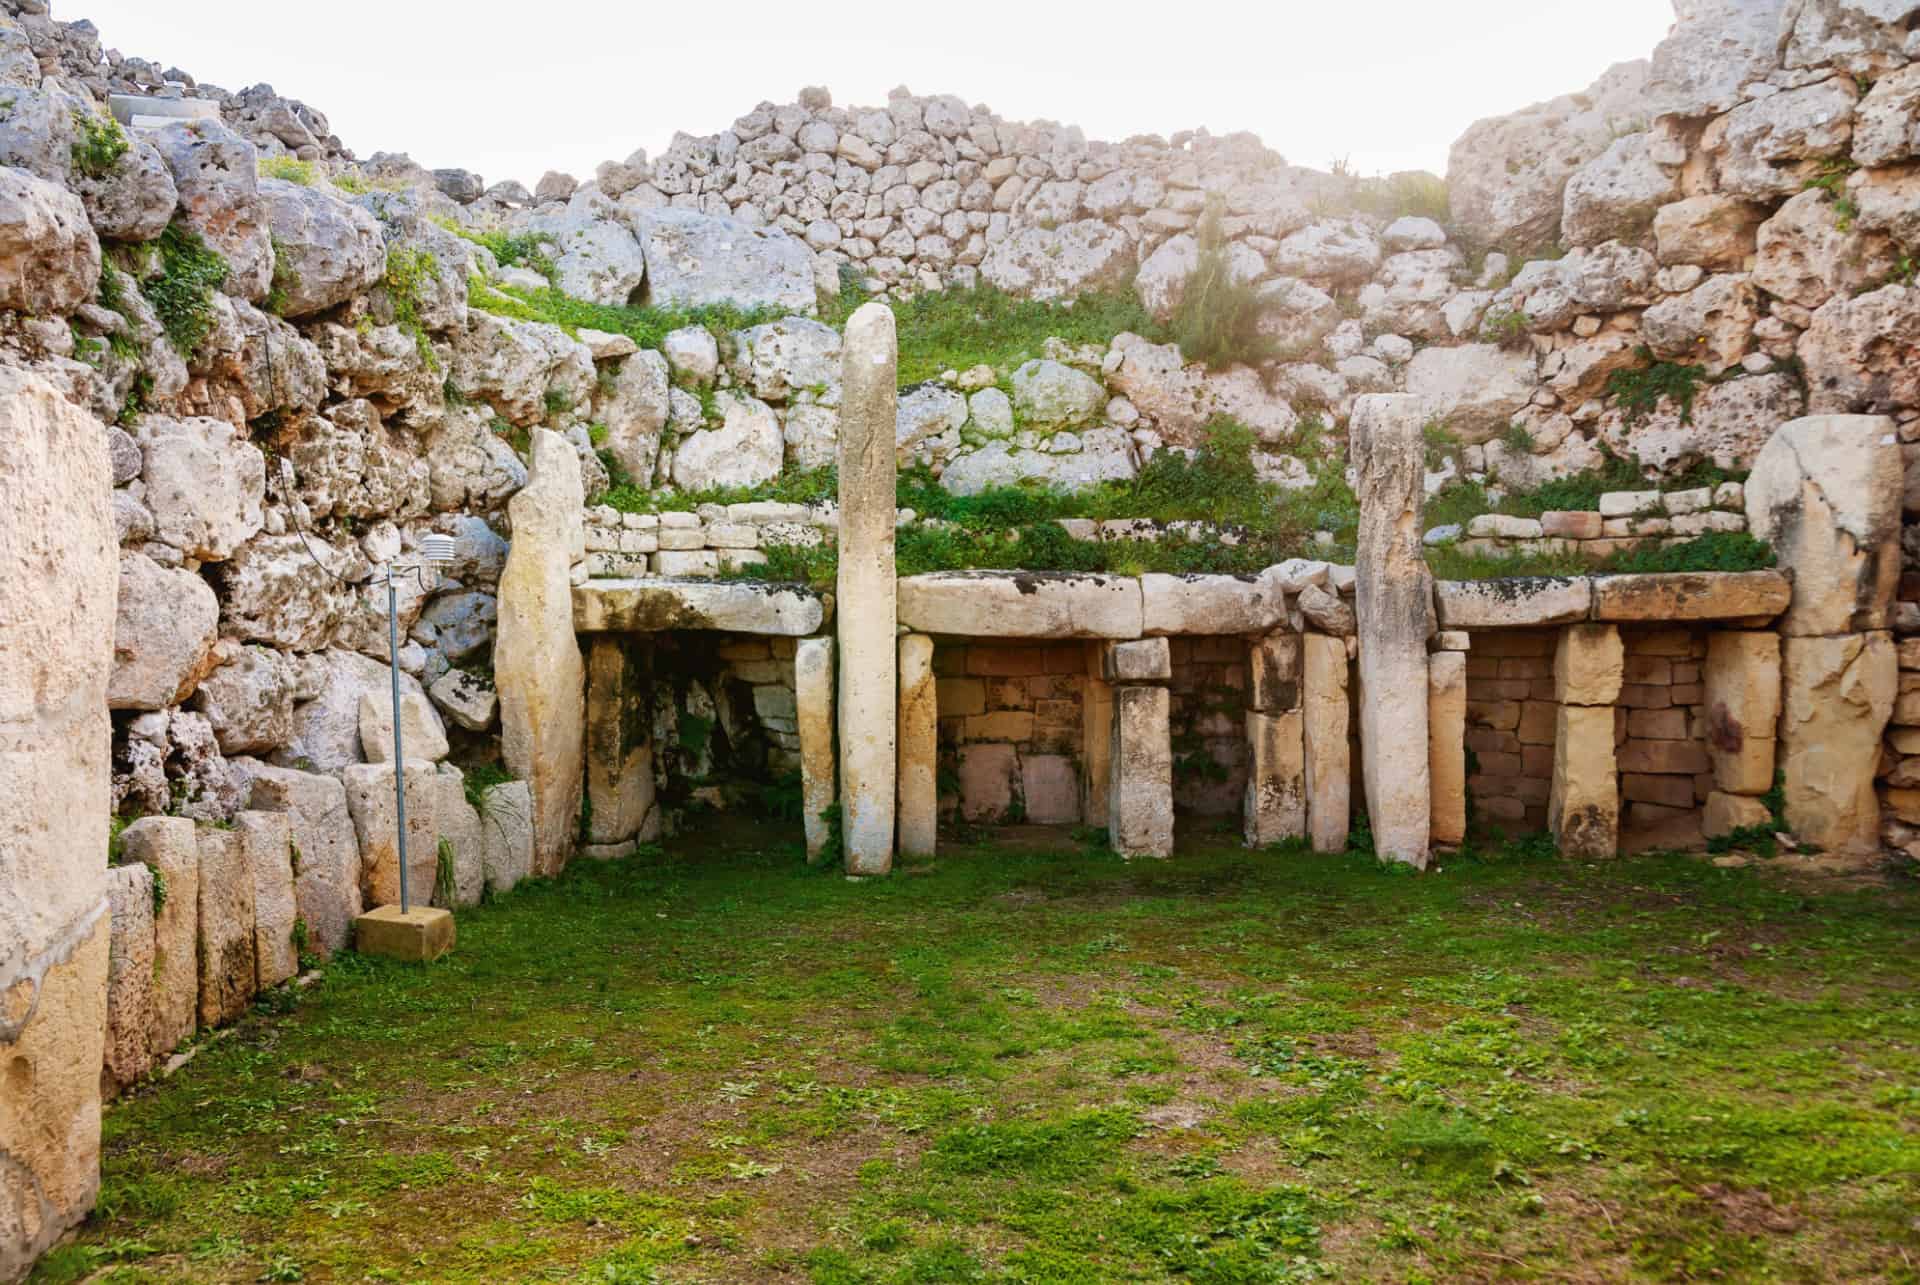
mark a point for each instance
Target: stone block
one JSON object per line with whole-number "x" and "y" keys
{"x": 168, "y": 847}
{"x": 959, "y": 697}
{"x": 1657, "y": 724}
{"x": 130, "y": 976}
{"x": 1050, "y": 787}
{"x": 1678, "y": 757}
{"x": 1588, "y": 665}
{"x": 1273, "y": 663}
{"x": 371, "y": 803}
{"x": 1583, "y": 809}
{"x": 1724, "y": 813}
{"x": 919, "y": 804}
{"x": 1668, "y": 791}
{"x": 1512, "y": 603}
{"x": 1536, "y": 723}
{"x": 1324, "y": 729}
{"x": 417, "y": 936}
{"x": 1024, "y": 604}
{"x": 227, "y": 970}
{"x": 1140, "y": 796}
{"x": 1742, "y": 696}
{"x": 619, "y": 738}
{"x": 1096, "y": 737}
{"x": 1571, "y": 524}
{"x": 1446, "y": 755}
{"x": 651, "y": 605}
{"x": 460, "y": 843}
{"x": 1691, "y": 595}
{"x": 1207, "y": 604}
{"x": 422, "y": 734}
{"x": 1144, "y": 661}
{"x": 1838, "y": 696}
{"x": 987, "y": 772}
{"x": 506, "y": 835}
{"x": 326, "y": 881}
{"x": 813, "y": 705}
{"x": 266, "y": 842}
{"x": 1004, "y": 725}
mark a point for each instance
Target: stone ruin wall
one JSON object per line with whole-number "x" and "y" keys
{"x": 1744, "y": 200}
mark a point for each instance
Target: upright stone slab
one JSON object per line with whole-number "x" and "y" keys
{"x": 58, "y": 596}
{"x": 1273, "y": 665}
{"x": 864, "y": 608}
{"x": 1096, "y": 735}
{"x": 537, "y": 667}
{"x": 129, "y": 977}
{"x": 166, "y": 845}
{"x": 506, "y": 832}
{"x": 370, "y": 800}
{"x": 813, "y": 712}
{"x": 1583, "y": 803}
{"x": 1826, "y": 493}
{"x": 919, "y": 748}
{"x": 1276, "y": 799}
{"x": 326, "y": 878}
{"x": 458, "y": 831}
{"x": 1393, "y": 600}
{"x": 227, "y": 978}
{"x": 1743, "y": 710}
{"x": 1838, "y": 697}
{"x": 266, "y": 839}
{"x": 1140, "y": 796}
{"x": 1447, "y": 744}
{"x": 1324, "y": 726}
{"x": 619, "y": 740}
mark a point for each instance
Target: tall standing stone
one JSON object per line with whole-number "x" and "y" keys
{"x": 1140, "y": 795}
{"x": 1276, "y": 798}
{"x": 864, "y": 606}
{"x": 227, "y": 976}
{"x": 371, "y": 803}
{"x": 58, "y": 594}
{"x": 813, "y": 712}
{"x": 1329, "y": 774}
{"x": 129, "y": 976}
{"x": 537, "y": 667}
{"x": 1743, "y": 708}
{"x": 1447, "y": 747}
{"x": 267, "y": 841}
{"x": 1838, "y": 697}
{"x": 619, "y": 742}
{"x": 326, "y": 879}
{"x": 919, "y": 748}
{"x": 1583, "y": 803}
{"x": 167, "y": 846}
{"x": 1096, "y": 735}
{"x": 1393, "y": 600}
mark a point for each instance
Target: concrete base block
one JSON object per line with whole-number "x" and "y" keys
{"x": 419, "y": 936}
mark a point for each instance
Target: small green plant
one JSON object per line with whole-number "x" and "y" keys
{"x": 100, "y": 143}
{"x": 1517, "y": 439}
{"x": 352, "y": 184}
{"x": 182, "y": 291}
{"x": 288, "y": 169}
{"x": 1217, "y": 320}
{"x": 409, "y": 269}
{"x": 1639, "y": 390}
{"x": 1504, "y": 326}
{"x": 1714, "y": 551}
{"x": 1832, "y": 179}
{"x": 285, "y": 278}
{"x": 443, "y": 873}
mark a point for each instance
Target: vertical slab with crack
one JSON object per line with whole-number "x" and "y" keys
{"x": 919, "y": 748}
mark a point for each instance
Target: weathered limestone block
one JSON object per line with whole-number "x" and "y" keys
{"x": 58, "y": 568}
{"x": 1273, "y": 663}
{"x": 1724, "y": 813}
{"x": 1324, "y": 736}
{"x": 1096, "y": 736}
{"x": 1276, "y": 802}
{"x": 1203, "y": 604}
{"x": 919, "y": 747}
{"x": 1743, "y": 708}
{"x": 1838, "y": 695}
{"x": 1447, "y": 744}
{"x": 1825, "y": 492}
{"x": 227, "y": 970}
{"x": 865, "y": 601}
{"x": 458, "y": 832}
{"x": 167, "y": 846}
{"x": 536, "y": 658}
{"x": 1146, "y": 661}
{"x": 1691, "y": 595}
{"x": 651, "y": 605}
{"x": 813, "y": 704}
{"x": 266, "y": 841}
{"x": 1393, "y": 598}
{"x": 619, "y": 742}
{"x": 1140, "y": 792}
{"x": 163, "y": 636}
{"x": 1516, "y": 602}
{"x": 506, "y": 828}
{"x": 1022, "y": 604}
{"x": 326, "y": 881}
{"x": 422, "y": 734}
{"x": 1583, "y": 808}
{"x": 129, "y": 976}
{"x": 370, "y": 801}
{"x": 1588, "y": 665}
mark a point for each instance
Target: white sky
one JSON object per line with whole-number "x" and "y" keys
{"x": 511, "y": 89}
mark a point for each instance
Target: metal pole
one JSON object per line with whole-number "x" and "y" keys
{"x": 399, "y": 755}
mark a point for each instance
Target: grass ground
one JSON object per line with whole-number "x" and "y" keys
{"x": 1029, "y": 1061}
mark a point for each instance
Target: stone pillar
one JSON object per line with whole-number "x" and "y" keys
{"x": 813, "y": 702}
{"x": 1583, "y": 808}
{"x": 1393, "y": 603}
{"x": 1140, "y": 792}
{"x": 1447, "y": 744}
{"x": 919, "y": 747}
{"x": 227, "y": 969}
{"x": 58, "y": 591}
{"x": 619, "y": 743}
{"x": 1743, "y": 717}
{"x": 1323, "y": 735}
{"x": 864, "y": 607}
{"x": 266, "y": 842}
{"x": 166, "y": 845}
{"x": 1276, "y": 800}
{"x": 326, "y": 887}
{"x": 1096, "y": 736}
{"x": 129, "y": 977}
{"x": 1826, "y": 493}
{"x": 536, "y": 658}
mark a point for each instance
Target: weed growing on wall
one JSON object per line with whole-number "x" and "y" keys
{"x": 1638, "y": 391}
{"x": 182, "y": 291}
{"x": 1217, "y": 320}
{"x": 99, "y": 145}
{"x": 288, "y": 169}
{"x": 409, "y": 269}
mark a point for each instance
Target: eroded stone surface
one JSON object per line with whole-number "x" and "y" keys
{"x": 326, "y": 885}
{"x": 129, "y": 975}
{"x": 1742, "y": 677}
{"x": 266, "y": 843}
{"x": 1447, "y": 750}
{"x": 1517, "y": 602}
{"x": 741, "y": 607}
{"x": 1583, "y": 808}
{"x": 813, "y": 712}
{"x": 1275, "y": 808}
{"x": 167, "y": 846}
{"x": 1324, "y": 734}
{"x": 919, "y": 748}
{"x": 619, "y": 745}
{"x": 1140, "y": 795}
{"x": 1022, "y": 604}
{"x": 227, "y": 976}
{"x": 1838, "y": 695}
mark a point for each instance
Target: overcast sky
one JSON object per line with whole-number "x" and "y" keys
{"x": 514, "y": 89}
